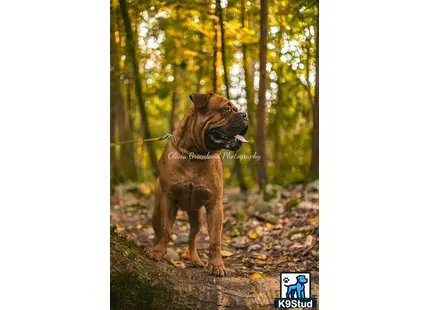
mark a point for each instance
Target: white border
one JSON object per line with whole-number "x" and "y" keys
{"x": 375, "y": 159}
{"x": 54, "y": 162}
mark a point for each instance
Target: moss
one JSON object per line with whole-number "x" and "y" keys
{"x": 129, "y": 290}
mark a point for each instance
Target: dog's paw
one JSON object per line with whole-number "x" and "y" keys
{"x": 196, "y": 261}
{"x": 216, "y": 270}
{"x": 154, "y": 254}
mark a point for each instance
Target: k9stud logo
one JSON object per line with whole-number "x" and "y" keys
{"x": 295, "y": 291}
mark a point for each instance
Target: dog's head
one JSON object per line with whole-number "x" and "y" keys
{"x": 223, "y": 126}
{"x": 302, "y": 279}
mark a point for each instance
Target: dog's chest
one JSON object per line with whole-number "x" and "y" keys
{"x": 189, "y": 196}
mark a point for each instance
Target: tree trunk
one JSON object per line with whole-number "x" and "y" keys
{"x": 215, "y": 57}
{"x": 137, "y": 282}
{"x": 314, "y": 170}
{"x": 175, "y": 95}
{"x": 261, "y": 108}
{"x": 249, "y": 88}
{"x": 275, "y": 134}
{"x": 176, "y": 75}
{"x": 132, "y": 150}
{"x": 237, "y": 166}
{"x": 200, "y": 62}
{"x": 138, "y": 86}
{"x": 126, "y": 151}
{"x": 307, "y": 74}
{"x": 223, "y": 54}
{"x": 113, "y": 100}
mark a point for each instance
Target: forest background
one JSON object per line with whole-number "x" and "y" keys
{"x": 262, "y": 55}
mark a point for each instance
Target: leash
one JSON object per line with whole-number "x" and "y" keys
{"x": 167, "y": 136}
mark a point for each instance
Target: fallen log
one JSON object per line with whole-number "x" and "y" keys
{"x": 140, "y": 283}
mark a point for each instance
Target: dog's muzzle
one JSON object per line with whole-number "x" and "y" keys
{"x": 230, "y": 137}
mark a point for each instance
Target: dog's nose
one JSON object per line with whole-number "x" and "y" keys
{"x": 243, "y": 115}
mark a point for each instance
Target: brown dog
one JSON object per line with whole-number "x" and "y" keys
{"x": 190, "y": 175}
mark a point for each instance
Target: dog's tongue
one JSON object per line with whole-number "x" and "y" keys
{"x": 241, "y": 139}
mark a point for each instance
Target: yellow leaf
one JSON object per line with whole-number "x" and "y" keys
{"x": 177, "y": 263}
{"x": 226, "y": 253}
{"x": 139, "y": 226}
{"x": 314, "y": 219}
{"x": 256, "y": 276}
{"x": 253, "y": 235}
{"x": 227, "y": 238}
{"x": 261, "y": 256}
{"x": 186, "y": 254}
{"x": 269, "y": 225}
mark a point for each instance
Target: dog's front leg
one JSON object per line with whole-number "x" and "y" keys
{"x": 215, "y": 219}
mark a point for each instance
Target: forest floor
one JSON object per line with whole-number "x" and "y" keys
{"x": 260, "y": 239}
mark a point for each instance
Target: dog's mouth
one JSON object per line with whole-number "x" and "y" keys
{"x": 230, "y": 138}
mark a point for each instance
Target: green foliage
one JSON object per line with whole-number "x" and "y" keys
{"x": 179, "y": 35}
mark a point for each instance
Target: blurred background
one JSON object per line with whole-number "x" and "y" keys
{"x": 263, "y": 55}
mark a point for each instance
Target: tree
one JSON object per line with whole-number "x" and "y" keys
{"x": 314, "y": 170}
{"x": 249, "y": 87}
{"x": 138, "y": 85}
{"x": 183, "y": 46}
{"x": 176, "y": 75}
{"x": 261, "y": 108}
{"x": 215, "y": 52}
{"x": 137, "y": 282}
{"x": 113, "y": 98}
{"x": 237, "y": 166}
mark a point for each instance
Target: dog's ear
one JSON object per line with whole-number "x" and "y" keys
{"x": 200, "y": 100}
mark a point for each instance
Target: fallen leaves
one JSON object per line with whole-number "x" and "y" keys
{"x": 177, "y": 263}
{"x": 261, "y": 256}
{"x": 256, "y": 243}
{"x": 314, "y": 219}
{"x": 256, "y": 276}
{"x": 269, "y": 226}
{"x": 186, "y": 254}
{"x": 309, "y": 240}
{"x": 253, "y": 235}
{"x": 225, "y": 253}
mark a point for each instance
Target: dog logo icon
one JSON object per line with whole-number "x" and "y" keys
{"x": 295, "y": 291}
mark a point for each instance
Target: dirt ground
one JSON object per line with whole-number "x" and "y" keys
{"x": 260, "y": 238}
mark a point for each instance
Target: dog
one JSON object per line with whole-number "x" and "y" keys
{"x": 297, "y": 289}
{"x": 192, "y": 177}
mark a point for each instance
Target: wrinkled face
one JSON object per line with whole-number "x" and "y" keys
{"x": 223, "y": 126}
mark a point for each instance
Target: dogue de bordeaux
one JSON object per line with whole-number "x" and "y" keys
{"x": 190, "y": 175}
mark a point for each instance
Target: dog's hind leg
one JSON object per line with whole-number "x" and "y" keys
{"x": 163, "y": 217}
{"x": 196, "y": 221}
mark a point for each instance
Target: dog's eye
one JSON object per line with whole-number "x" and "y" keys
{"x": 227, "y": 108}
